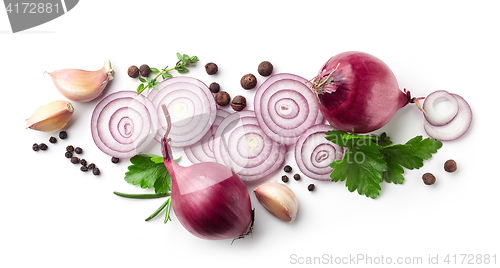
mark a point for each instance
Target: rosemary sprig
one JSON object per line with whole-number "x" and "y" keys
{"x": 184, "y": 61}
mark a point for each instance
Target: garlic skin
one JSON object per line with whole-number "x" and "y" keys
{"x": 51, "y": 117}
{"x": 80, "y": 85}
{"x": 278, "y": 199}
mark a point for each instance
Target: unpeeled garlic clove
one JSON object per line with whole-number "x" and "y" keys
{"x": 51, "y": 117}
{"x": 80, "y": 85}
{"x": 278, "y": 199}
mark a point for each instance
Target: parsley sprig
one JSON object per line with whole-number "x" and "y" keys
{"x": 149, "y": 172}
{"x": 184, "y": 61}
{"x": 370, "y": 160}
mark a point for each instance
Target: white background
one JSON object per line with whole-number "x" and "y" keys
{"x": 53, "y": 215}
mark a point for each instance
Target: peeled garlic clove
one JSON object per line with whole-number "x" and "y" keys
{"x": 80, "y": 85}
{"x": 51, "y": 117}
{"x": 278, "y": 199}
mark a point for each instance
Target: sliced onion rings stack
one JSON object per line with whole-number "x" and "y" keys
{"x": 242, "y": 145}
{"x": 123, "y": 124}
{"x": 450, "y": 124}
{"x": 203, "y": 150}
{"x": 314, "y": 153}
{"x": 285, "y": 107}
{"x": 191, "y": 106}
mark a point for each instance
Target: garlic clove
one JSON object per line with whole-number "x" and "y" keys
{"x": 50, "y": 117}
{"x": 278, "y": 199}
{"x": 80, "y": 85}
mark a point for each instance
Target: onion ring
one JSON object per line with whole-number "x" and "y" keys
{"x": 285, "y": 107}
{"x": 123, "y": 124}
{"x": 250, "y": 152}
{"x": 314, "y": 153}
{"x": 191, "y": 106}
{"x": 456, "y": 128}
{"x": 203, "y": 150}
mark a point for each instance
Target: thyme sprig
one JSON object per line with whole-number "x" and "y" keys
{"x": 184, "y": 61}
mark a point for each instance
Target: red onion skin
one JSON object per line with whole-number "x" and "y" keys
{"x": 208, "y": 199}
{"x": 364, "y": 93}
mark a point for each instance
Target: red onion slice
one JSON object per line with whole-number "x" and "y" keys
{"x": 191, "y": 106}
{"x": 433, "y": 115}
{"x": 285, "y": 107}
{"x": 242, "y": 145}
{"x": 203, "y": 150}
{"x": 123, "y": 124}
{"x": 454, "y": 129}
{"x": 314, "y": 153}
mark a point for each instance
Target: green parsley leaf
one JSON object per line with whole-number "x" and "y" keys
{"x": 148, "y": 171}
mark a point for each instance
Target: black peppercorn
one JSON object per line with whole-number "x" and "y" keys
{"x": 70, "y": 148}
{"x": 78, "y": 150}
{"x": 284, "y": 178}
{"x": 75, "y": 160}
{"x": 144, "y": 70}
{"x": 287, "y": 168}
{"x": 96, "y": 171}
{"x": 35, "y": 147}
{"x": 133, "y": 71}
{"x": 211, "y": 68}
{"x": 84, "y": 168}
{"x": 222, "y": 98}
{"x": 248, "y": 81}
{"x": 68, "y": 154}
{"x": 214, "y": 87}
{"x": 296, "y": 177}
{"x": 428, "y": 179}
{"x": 43, "y": 146}
{"x": 265, "y": 68}
{"x": 450, "y": 166}
{"x": 83, "y": 162}
{"x": 310, "y": 187}
{"x": 239, "y": 103}
{"x": 115, "y": 160}
{"x": 52, "y": 140}
{"x": 63, "y": 135}
{"x": 91, "y": 166}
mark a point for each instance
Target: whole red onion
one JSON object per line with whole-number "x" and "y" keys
{"x": 208, "y": 198}
{"x": 358, "y": 93}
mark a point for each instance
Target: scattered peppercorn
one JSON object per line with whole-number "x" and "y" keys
{"x": 214, "y": 87}
{"x": 145, "y": 70}
{"x": 43, "y": 146}
{"x": 115, "y": 160}
{"x": 284, "y": 178}
{"x": 78, "y": 150}
{"x": 52, "y": 139}
{"x": 35, "y": 147}
{"x": 70, "y": 148}
{"x": 248, "y": 81}
{"x": 68, "y": 154}
{"x": 83, "y": 162}
{"x": 310, "y": 187}
{"x": 239, "y": 103}
{"x": 63, "y": 135}
{"x": 428, "y": 179}
{"x": 84, "y": 168}
{"x": 91, "y": 166}
{"x": 450, "y": 166}
{"x": 265, "y": 68}
{"x": 211, "y": 68}
{"x": 96, "y": 171}
{"x": 75, "y": 160}
{"x": 222, "y": 98}
{"x": 296, "y": 177}
{"x": 133, "y": 71}
{"x": 287, "y": 168}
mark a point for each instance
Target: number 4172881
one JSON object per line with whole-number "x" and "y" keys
{"x": 32, "y": 8}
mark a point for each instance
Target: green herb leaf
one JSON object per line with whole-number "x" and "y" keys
{"x": 140, "y": 88}
{"x": 179, "y": 56}
{"x": 148, "y": 174}
{"x": 142, "y": 80}
{"x": 182, "y": 70}
{"x": 154, "y": 70}
{"x": 166, "y": 76}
